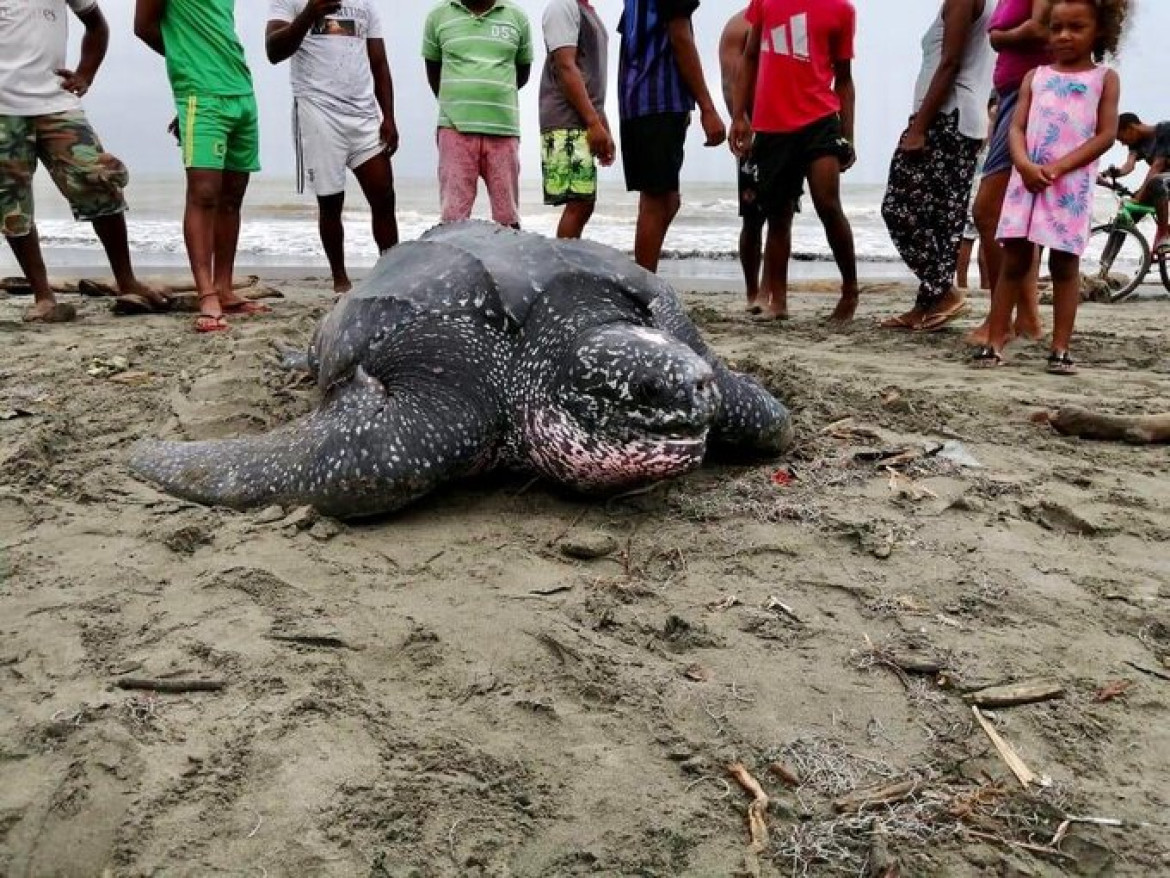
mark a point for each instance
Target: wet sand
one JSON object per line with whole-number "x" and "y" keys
{"x": 448, "y": 692}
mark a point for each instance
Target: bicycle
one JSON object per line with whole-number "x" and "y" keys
{"x": 1118, "y": 257}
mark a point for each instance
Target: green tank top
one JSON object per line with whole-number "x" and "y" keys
{"x": 204, "y": 55}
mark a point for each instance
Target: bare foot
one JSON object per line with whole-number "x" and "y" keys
{"x": 157, "y": 298}
{"x": 978, "y": 337}
{"x": 846, "y": 308}
{"x": 1027, "y": 329}
{"x": 776, "y": 308}
{"x": 50, "y": 311}
{"x": 341, "y": 286}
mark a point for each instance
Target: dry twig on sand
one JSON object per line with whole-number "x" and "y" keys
{"x": 872, "y": 797}
{"x": 1023, "y": 774}
{"x": 757, "y": 813}
{"x": 1028, "y": 692}
{"x": 170, "y": 686}
{"x": 1085, "y": 424}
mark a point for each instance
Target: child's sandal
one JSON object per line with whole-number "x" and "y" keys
{"x": 987, "y": 357}
{"x": 1060, "y": 363}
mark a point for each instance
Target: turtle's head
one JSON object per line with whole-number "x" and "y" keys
{"x": 630, "y": 405}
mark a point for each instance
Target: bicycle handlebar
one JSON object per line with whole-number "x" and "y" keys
{"x": 1113, "y": 186}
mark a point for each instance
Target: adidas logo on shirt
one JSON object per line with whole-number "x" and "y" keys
{"x": 789, "y": 39}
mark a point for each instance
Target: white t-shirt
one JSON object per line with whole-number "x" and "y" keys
{"x": 34, "y": 40}
{"x": 332, "y": 67}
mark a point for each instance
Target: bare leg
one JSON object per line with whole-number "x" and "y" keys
{"x": 111, "y": 231}
{"x": 961, "y": 275}
{"x": 227, "y": 236}
{"x": 1015, "y": 276}
{"x": 824, "y": 183}
{"x": 1028, "y": 323}
{"x": 751, "y": 242}
{"x": 984, "y": 271}
{"x": 655, "y": 214}
{"x": 986, "y": 210}
{"x": 777, "y": 252}
{"x": 27, "y": 250}
{"x": 1163, "y": 216}
{"x": 329, "y": 208}
{"x": 199, "y": 233}
{"x": 574, "y": 219}
{"x": 1066, "y": 297}
{"x": 376, "y": 177}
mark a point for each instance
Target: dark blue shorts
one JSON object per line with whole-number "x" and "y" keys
{"x": 999, "y": 151}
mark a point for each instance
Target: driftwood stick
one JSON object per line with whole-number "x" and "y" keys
{"x": 1135, "y": 430}
{"x": 1028, "y": 692}
{"x": 170, "y": 686}
{"x": 757, "y": 810}
{"x": 1023, "y": 774}
{"x": 886, "y": 794}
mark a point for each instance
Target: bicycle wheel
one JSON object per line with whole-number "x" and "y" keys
{"x": 1115, "y": 263}
{"x": 1164, "y": 269}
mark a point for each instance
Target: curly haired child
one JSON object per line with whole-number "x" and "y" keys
{"x": 1065, "y": 121}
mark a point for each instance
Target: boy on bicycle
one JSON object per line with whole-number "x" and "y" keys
{"x": 1151, "y": 144}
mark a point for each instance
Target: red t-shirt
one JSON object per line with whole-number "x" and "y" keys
{"x": 800, "y": 41}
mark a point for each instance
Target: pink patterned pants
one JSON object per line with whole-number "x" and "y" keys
{"x": 463, "y": 160}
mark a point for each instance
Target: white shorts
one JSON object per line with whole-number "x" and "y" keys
{"x": 327, "y": 144}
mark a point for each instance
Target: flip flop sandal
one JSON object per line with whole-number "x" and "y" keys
{"x": 132, "y": 303}
{"x": 935, "y": 322}
{"x": 247, "y": 309}
{"x": 210, "y": 323}
{"x": 1060, "y": 363}
{"x": 61, "y": 313}
{"x": 95, "y": 289}
{"x": 899, "y": 322}
{"x": 987, "y": 357}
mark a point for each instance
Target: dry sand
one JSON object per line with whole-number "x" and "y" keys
{"x": 460, "y": 697}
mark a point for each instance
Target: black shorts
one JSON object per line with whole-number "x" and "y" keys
{"x": 749, "y": 191}
{"x": 652, "y": 151}
{"x": 783, "y": 161}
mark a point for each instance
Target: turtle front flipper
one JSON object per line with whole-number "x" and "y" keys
{"x": 363, "y": 452}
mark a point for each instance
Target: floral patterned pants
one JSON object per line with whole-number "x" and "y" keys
{"x": 926, "y": 203}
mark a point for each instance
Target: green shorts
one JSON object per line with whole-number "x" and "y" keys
{"x": 219, "y": 133}
{"x": 570, "y": 172}
{"x": 90, "y": 178}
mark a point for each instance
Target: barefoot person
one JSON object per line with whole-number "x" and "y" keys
{"x": 1150, "y": 144}
{"x": 574, "y": 132}
{"x": 218, "y": 127}
{"x": 929, "y": 189}
{"x": 41, "y": 118}
{"x": 1066, "y": 120}
{"x": 732, "y": 45}
{"x": 661, "y": 82}
{"x": 478, "y": 56}
{"x": 801, "y": 112}
{"x": 1019, "y": 34}
{"x": 343, "y": 113}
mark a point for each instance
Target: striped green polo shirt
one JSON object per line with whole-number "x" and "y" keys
{"x": 479, "y": 54}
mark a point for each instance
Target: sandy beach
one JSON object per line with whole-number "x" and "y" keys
{"x": 505, "y": 680}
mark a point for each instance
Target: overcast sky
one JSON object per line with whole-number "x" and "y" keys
{"x": 130, "y": 103}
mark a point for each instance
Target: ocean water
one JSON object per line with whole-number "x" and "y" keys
{"x": 280, "y": 226}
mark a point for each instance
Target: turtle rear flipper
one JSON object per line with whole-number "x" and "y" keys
{"x": 363, "y": 452}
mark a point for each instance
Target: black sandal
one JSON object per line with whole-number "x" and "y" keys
{"x": 1060, "y": 363}
{"x": 987, "y": 357}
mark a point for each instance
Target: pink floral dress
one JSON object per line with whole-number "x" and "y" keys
{"x": 1063, "y": 117}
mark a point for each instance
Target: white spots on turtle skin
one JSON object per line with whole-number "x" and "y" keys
{"x": 489, "y": 347}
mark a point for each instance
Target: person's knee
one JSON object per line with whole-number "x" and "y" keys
{"x": 1064, "y": 267}
{"x": 331, "y": 206}
{"x": 203, "y": 194}
{"x": 1017, "y": 262}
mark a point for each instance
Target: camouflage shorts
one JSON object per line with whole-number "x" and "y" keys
{"x": 91, "y": 179}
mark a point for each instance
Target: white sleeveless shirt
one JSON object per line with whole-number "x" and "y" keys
{"x": 972, "y": 86}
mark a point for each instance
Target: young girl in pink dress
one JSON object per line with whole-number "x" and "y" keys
{"x": 1065, "y": 121}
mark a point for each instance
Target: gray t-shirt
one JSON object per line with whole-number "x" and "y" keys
{"x": 331, "y": 69}
{"x": 34, "y": 37}
{"x": 1157, "y": 146}
{"x": 572, "y": 23}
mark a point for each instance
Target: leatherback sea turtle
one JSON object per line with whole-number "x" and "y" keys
{"x": 475, "y": 347}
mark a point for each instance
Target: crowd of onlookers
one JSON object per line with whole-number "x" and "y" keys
{"x": 786, "y": 75}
